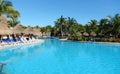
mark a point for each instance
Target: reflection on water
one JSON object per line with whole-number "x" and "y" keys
{"x": 15, "y": 53}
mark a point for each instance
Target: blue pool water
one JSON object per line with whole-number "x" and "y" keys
{"x": 62, "y": 57}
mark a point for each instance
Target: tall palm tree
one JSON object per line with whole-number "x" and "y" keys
{"x": 5, "y": 6}
{"x": 102, "y": 24}
{"x": 93, "y": 26}
{"x": 13, "y": 14}
{"x": 116, "y": 25}
{"x": 71, "y": 22}
{"x": 105, "y": 27}
{"x": 88, "y": 28}
{"x": 61, "y": 25}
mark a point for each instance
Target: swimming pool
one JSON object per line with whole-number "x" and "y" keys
{"x": 62, "y": 57}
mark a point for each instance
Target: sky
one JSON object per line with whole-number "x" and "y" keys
{"x": 46, "y": 12}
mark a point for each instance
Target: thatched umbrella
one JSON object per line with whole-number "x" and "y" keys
{"x": 93, "y": 34}
{"x": 29, "y": 30}
{"x": 79, "y": 33}
{"x": 17, "y": 29}
{"x": 85, "y": 34}
{"x": 4, "y": 30}
{"x": 37, "y": 32}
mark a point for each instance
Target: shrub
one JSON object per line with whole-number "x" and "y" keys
{"x": 107, "y": 40}
{"x": 70, "y": 38}
{"x": 76, "y": 38}
{"x": 80, "y": 38}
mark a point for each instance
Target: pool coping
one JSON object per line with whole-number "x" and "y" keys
{"x": 21, "y": 43}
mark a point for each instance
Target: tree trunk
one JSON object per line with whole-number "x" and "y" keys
{"x": 61, "y": 31}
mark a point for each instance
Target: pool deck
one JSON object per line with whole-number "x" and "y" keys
{"x": 100, "y": 42}
{"x": 21, "y": 43}
{"x": 108, "y": 42}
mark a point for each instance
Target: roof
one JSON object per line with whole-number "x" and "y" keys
{"x": 17, "y": 29}
{"x": 4, "y": 27}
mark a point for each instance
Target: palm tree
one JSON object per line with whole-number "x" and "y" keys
{"x": 88, "y": 28}
{"x": 61, "y": 25}
{"x": 71, "y": 22}
{"x": 81, "y": 28}
{"x": 43, "y": 30}
{"x": 93, "y": 25}
{"x": 5, "y": 6}
{"x": 102, "y": 24}
{"x": 116, "y": 25}
{"x": 48, "y": 30}
{"x": 106, "y": 27}
{"x": 13, "y": 14}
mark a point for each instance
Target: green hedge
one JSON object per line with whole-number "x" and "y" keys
{"x": 76, "y": 38}
{"x": 107, "y": 40}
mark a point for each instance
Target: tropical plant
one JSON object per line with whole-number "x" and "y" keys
{"x": 72, "y": 23}
{"x": 93, "y": 25}
{"x": 13, "y": 15}
{"x": 61, "y": 25}
{"x": 5, "y": 7}
{"x": 102, "y": 24}
{"x": 116, "y": 25}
